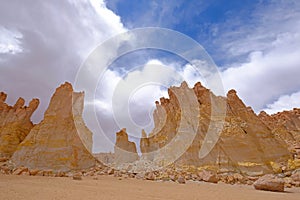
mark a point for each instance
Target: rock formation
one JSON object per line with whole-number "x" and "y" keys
{"x": 105, "y": 158}
{"x": 125, "y": 151}
{"x": 286, "y": 126}
{"x": 61, "y": 141}
{"x": 15, "y": 124}
{"x": 244, "y": 143}
{"x": 270, "y": 183}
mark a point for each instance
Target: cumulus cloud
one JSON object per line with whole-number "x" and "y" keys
{"x": 129, "y": 99}
{"x": 270, "y": 42}
{"x": 43, "y": 44}
{"x": 285, "y": 102}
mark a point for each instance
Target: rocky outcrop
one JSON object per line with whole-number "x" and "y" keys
{"x": 15, "y": 123}
{"x": 221, "y": 132}
{"x": 61, "y": 141}
{"x": 286, "y": 126}
{"x": 125, "y": 151}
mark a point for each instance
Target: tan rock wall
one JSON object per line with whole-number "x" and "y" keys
{"x": 15, "y": 123}
{"x": 61, "y": 141}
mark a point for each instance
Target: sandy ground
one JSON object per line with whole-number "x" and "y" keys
{"x": 108, "y": 187}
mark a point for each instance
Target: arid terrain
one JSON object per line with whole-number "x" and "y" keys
{"x": 246, "y": 156}
{"x": 108, "y": 187}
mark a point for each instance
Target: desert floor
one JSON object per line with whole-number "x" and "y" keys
{"x": 108, "y": 187}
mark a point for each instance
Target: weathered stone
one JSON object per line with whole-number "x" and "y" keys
{"x": 242, "y": 140}
{"x": 286, "y": 126}
{"x": 48, "y": 173}
{"x": 208, "y": 176}
{"x": 269, "y": 183}
{"x": 15, "y": 124}
{"x": 77, "y": 177}
{"x": 296, "y": 177}
{"x": 61, "y": 141}
{"x": 150, "y": 176}
{"x": 172, "y": 177}
{"x": 117, "y": 174}
{"x": 181, "y": 180}
{"x": 125, "y": 151}
{"x": 110, "y": 171}
{"x": 140, "y": 175}
{"x": 20, "y": 171}
{"x": 33, "y": 172}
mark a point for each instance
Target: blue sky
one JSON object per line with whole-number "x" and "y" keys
{"x": 255, "y": 44}
{"x": 197, "y": 19}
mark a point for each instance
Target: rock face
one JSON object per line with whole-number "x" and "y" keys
{"x": 286, "y": 126}
{"x": 15, "y": 124}
{"x": 125, "y": 151}
{"x": 269, "y": 183}
{"x": 61, "y": 141}
{"x": 243, "y": 143}
{"x": 105, "y": 158}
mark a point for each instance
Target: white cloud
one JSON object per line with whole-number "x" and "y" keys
{"x": 10, "y": 41}
{"x": 271, "y": 43}
{"x": 129, "y": 99}
{"x": 50, "y": 41}
{"x": 285, "y": 102}
{"x": 263, "y": 26}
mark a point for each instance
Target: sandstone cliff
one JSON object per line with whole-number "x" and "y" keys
{"x": 125, "y": 151}
{"x": 243, "y": 143}
{"x": 286, "y": 126}
{"x": 61, "y": 141}
{"x": 15, "y": 123}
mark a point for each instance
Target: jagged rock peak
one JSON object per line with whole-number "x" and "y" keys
{"x": 3, "y": 97}
{"x": 66, "y": 102}
{"x": 184, "y": 84}
{"x": 60, "y": 142}
{"x": 125, "y": 151}
{"x": 243, "y": 143}
{"x": 15, "y": 123}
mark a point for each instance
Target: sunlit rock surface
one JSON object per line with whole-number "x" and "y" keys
{"x": 231, "y": 135}
{"x": 15, "y": 123}
{"x": 61, "y": 141}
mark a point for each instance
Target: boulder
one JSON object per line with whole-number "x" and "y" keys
{"x": 208, "y": 176}
{"x": 269, "y": 183}
{"x": 296, "y": 176}
{"x": 181, "y": 179}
